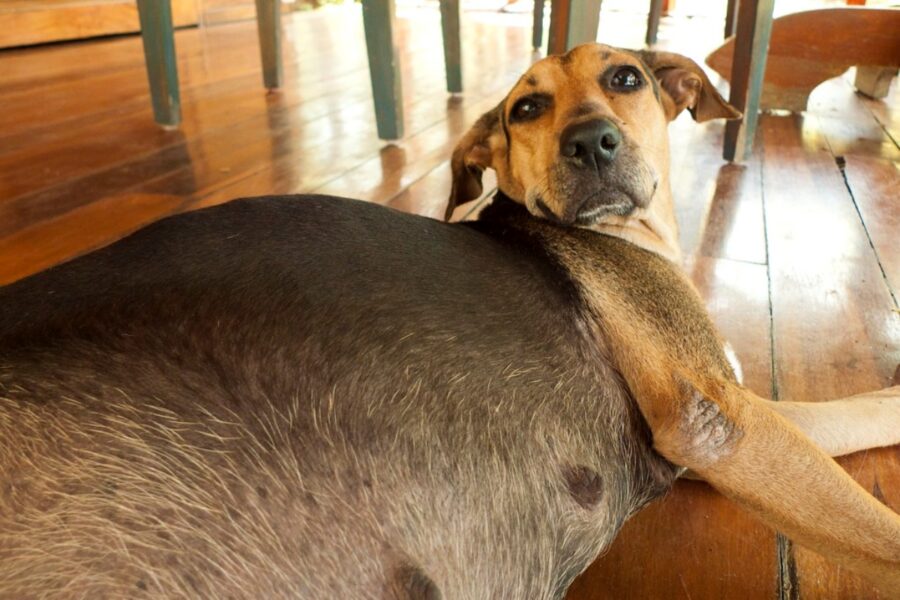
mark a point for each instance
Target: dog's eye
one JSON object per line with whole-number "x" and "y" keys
{"x": 626, "y": 79}
{"x": 526, "y": 109}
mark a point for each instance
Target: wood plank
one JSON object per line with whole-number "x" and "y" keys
{"x": 875, "y": 184}
{"x": 34, "y": 249}
{"x": 860, "y": 136}
{"x": 718, "y": 205}
{"x": 37, "y": 22}
{"x": 59, "y": 154}
{"x": 263, "y": 155}
{"x": 835, "y": 328}
{"x": 215, "y": 158}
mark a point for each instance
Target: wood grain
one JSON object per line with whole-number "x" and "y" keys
{"x": 799, "y": 61}
{"x": 875, "y": 184}
{"x": 39, "y": 21}
{"x": 835, "y": 328}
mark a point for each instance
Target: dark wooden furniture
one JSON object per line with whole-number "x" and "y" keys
{"x": 798, "y": 61}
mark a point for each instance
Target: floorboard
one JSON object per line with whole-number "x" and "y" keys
{"x": 836, "y": 330}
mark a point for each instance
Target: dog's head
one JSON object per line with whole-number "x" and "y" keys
{"x": 581, "y": 138}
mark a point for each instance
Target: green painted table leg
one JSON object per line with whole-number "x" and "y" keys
{"x": 751, "y": 46}
{"x": 384, "y": 68}
{"x": 452, "y": 49}
{"x": 268, "y": 24}
{"x": 159, "y": 54}
{"x": 653, "y": 18}
{"x": 572, "y": 22}
{"x": 537, "y": 28}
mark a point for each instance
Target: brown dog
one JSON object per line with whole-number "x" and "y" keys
{"x": 581, "y": 140}
{"x": 267, "y": 399}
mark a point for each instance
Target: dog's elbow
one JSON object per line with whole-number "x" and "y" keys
{"x": 700, "y": 432}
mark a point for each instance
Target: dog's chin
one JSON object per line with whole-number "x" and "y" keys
{"x": 593, "y": 215}
{"x": 593, "y": 206}
{"x": 606, "y": 203}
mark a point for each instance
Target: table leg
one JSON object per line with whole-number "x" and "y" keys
{"x": 452, "y": 49}
{"x": 537, "y": 27}
{"x": 656, "y": 9}
{"x": 268, "y": 24}
{"x": 572, "y": 22}
{"x": 384, "y": 68}
{"x": 158, "y": 36}
{"x": 754, "y": 27}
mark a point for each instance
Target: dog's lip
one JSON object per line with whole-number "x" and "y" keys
{"x": 593, "y": 211}
{"x": 594, "y": 214}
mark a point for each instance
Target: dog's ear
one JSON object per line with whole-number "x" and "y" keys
{"x": 472, "y": 155}
{"x": 685, "y": 85}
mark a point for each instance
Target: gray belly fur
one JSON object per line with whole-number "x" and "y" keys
{"x": 334, "y": 428}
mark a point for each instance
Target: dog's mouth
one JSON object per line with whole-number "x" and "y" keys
{"x": 592, "y": 213}
{"x": 585, "y": 197}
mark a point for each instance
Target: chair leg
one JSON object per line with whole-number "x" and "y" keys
{"x": 751, "y": 45}
{"x": 731, "y": 17}
{"x": 572, "y": 22}
{"x": 268, "y": 24}
{"x": 874, "y": 82}
{"x": 656, "y": 9}
{"x": 158, "y": 36}
{"x": 384, "y": 68}
{"x": 452, "y": 49}
{"x": 537, "y": 28}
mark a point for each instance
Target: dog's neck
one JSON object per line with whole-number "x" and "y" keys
{"x": 653, "y": 228}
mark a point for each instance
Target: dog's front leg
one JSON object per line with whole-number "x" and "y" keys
{"x": 847, "y": 425}
{"x": 732, "y": 439}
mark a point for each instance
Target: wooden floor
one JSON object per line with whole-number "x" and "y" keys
{"x": 797, "y": 251}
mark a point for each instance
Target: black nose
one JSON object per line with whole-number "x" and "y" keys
{"x": 592, "y": 143}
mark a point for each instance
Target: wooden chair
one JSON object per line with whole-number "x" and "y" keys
{"x": 865, "y": 38}
{"x": 378, "y": 19}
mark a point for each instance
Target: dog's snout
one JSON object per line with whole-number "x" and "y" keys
{"x": 592, "y": 143}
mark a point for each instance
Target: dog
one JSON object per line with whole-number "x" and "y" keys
{"x": 316, "y": 397}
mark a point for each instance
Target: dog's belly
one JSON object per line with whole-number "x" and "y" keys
{"x": 272, "y": 416}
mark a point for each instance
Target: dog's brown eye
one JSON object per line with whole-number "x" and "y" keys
{"x": 626, "y": 79}
{"x": 526, "y": 109}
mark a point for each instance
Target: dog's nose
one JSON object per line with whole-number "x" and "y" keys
{"x": 592, "y": 143}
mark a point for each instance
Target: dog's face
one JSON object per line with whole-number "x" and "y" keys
{"x": 582, "y": 137}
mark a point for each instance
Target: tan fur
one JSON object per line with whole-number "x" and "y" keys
{"x": 772, "y": 458}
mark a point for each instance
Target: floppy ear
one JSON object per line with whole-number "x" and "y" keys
{"x": 685, "y": 85}
{"x": 471, "y": 157}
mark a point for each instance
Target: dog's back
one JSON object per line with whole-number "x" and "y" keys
{"x": 310, "y": 397}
